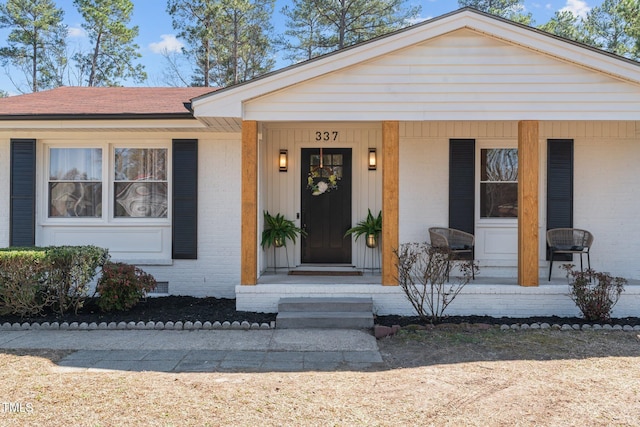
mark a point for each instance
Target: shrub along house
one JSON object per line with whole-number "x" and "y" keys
{"x": 453, "y": 110}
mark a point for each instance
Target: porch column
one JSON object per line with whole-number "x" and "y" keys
{"x": 249, "y": 211}
{"x": 528, "y": 179}
{"x": 390, "y": 186}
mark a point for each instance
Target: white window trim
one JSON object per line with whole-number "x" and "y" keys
{"x": 483, "y": 145}
{"x": 108, "y": 185}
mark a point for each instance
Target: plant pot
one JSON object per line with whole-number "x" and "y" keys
{"x": 372, "y": 241}
{"x": 278, "y": 242}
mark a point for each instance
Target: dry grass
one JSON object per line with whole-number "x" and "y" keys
{"x": 436, "y": 377}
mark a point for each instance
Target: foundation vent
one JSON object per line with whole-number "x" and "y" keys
{"x": 162, "y": 288}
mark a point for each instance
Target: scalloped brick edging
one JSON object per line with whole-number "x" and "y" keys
{"x": 384, "y": 331}
{"x": 119, "y": 326}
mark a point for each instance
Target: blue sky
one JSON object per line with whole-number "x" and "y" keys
{"x": 157, "y": 34}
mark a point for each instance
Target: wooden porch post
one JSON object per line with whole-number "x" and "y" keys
{"x": 249, "y": 211}
{"x": 390, "y": 186}
{"x": 528, "y": 185}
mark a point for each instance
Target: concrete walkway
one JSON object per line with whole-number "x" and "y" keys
{"x": 273, "y": 350}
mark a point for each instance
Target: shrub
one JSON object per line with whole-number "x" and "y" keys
{"x": 22, "y": 288}
{"x": 423, "y": 275}
{"x": 71, "y": 270}
{"x": 594, "y": 293}
{"x": 122, "y": 285}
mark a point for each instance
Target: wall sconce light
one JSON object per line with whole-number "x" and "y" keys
{"x": 373, "y": 161}
{"x": 283, "y": 161}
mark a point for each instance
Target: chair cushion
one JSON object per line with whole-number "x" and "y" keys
{"x": 568, "y": 248}
{"x": 461, "y": 247}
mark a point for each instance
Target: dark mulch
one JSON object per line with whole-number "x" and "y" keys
{"x": 171, "y": 308}
{"x": 182, "y": 308}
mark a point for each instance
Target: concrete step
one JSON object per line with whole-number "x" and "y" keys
{"x": 324, "y": 320}
{"x": 330, "y": 313}
{"x": 345, "y": 304}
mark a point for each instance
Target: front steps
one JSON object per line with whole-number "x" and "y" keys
{"x": 325, "y": 313}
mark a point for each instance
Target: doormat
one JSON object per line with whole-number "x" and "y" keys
{"x": 324, "y": 273}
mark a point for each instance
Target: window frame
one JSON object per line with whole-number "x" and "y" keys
{"x": 489, "y": 145}
{"x": 108, "y": 217}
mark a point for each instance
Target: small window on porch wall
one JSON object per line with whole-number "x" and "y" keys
{"x": 499, "y": 183}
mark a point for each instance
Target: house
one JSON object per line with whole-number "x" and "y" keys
{"x": 176, "y": 180}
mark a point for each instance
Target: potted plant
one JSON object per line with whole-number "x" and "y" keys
{"x": 277, "y": 229}
{"x": 371, "y": 227}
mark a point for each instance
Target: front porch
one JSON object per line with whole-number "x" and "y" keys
{"x": 491, "y": 296}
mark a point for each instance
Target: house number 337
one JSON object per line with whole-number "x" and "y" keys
{"x": 327, "y": 135}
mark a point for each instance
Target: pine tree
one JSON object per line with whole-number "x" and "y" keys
{"x": 228, "y": 41}
{"x": 36, "y": 39}
{"x": 510, "y": 9}
{"x": 114, "y": 51}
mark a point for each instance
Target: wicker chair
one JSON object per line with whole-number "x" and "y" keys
{"x": 458, "y": 242}
{"x": 569, "y": 241}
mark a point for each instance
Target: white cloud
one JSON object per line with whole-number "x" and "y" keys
{"x": 169, "y": 44}
{"x": 76, "y": 32}
{"x": 577, "y": 7}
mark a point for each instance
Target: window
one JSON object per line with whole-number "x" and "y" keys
{"x": 108, "y": 182}
{"x": 499, "y": 183}
{"x": 75, "y": 182}
{"x": 140, "y": 182}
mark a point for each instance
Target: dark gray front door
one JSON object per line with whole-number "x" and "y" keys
{"x": 326, "y": 205}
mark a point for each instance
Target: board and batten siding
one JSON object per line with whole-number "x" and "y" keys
{"x": 606, "y": 190}
{"x": 463, "y": 75}
{"x": 280, "y": 191}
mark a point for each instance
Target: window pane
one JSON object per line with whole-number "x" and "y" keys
{"x": 75, "y": 164}
{"x": 499, "y": 165}
{"x": 498, "y": 200}
{"x": 140, "y": 164}
{"x": 75, "y": 199}
{"x": 141, "y": 199}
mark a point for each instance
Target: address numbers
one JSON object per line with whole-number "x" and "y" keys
{"x": 327, "y": 135}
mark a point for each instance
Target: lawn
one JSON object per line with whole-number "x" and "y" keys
{"x": 438, "y": 377}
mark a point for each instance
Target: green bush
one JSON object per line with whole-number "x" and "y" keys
{"x": 22, "y": 288}
{"x": 32, "y": 279}
{"x": 122, "y": 285}
{"x": 71, "y": 270}
{"x": 594, "y": 293}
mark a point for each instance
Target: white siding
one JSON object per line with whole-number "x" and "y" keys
{"x": 464, "y": 75}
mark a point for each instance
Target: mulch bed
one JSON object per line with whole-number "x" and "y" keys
{"x": 183, "y": 308}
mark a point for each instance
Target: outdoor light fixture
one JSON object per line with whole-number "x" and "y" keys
{"x": 373, "y": 161}
{"x": 283, "y": 161}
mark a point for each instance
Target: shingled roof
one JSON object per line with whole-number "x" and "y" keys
{"x": 79, "y": 102}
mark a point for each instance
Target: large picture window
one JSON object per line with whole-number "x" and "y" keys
{"x": 108, "y": 182}
{"x": 499, "y": 183}
{"x": 75, "y": 182}
{"x": 140, "y": 182}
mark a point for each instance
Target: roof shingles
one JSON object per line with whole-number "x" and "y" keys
{"x": 96, "y": 101}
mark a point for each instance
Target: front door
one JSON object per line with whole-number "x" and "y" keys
{"x": 326, "y": 205}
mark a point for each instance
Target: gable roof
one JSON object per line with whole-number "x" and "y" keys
{"x": 235, "y": 103}
{"x": 102, "y": 102}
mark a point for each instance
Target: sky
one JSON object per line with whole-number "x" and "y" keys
{"x": 157, "y": 34}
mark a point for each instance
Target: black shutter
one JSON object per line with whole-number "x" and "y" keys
{"x": 184, "y": 241}
{"x": 462, "y": 154}
{"x": 560, "y": 186}
{"x": 22, "y": 198}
